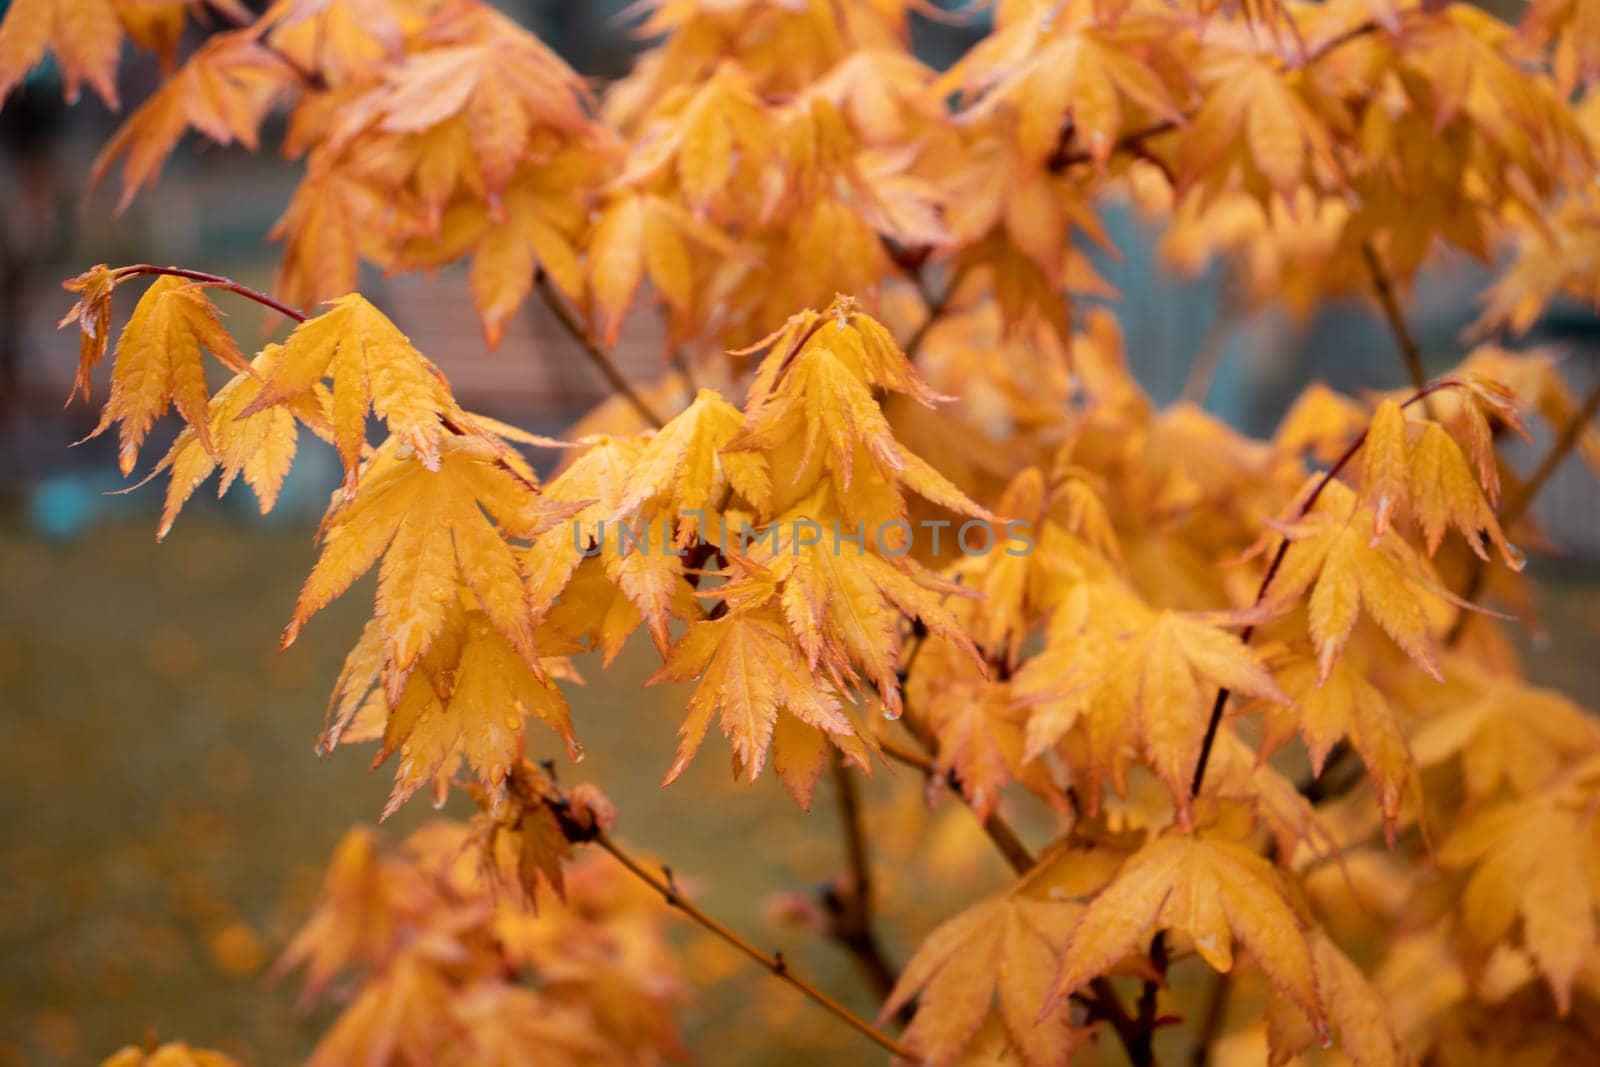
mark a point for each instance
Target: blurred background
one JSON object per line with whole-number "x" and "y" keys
{"x": 163, "y": 820}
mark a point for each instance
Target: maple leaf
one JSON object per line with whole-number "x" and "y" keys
{"x": 372, "y": 366}
{"x": 467, "y": 698}
{"x": 686, "y": 463}
{"x": 323, "y": 230}
{"x": 1348, "y": 571}
{"x": 1213, "y": 892}
{"x": 85, "y": 35}
{"x": 402, "y": 1013}
{"x": 1321, "y": 422}
{"x": 1055, "y": 71}
{"x": 1359, "y": 1017}
{"x": 1134, "y": 677}
{"x": 1431, "y": 478}
{"x": 1003, "y": 948}
{"x": 751, "y": 674}
{"x": 1343, "y": 704}
{"x": 366, "y": 897}
{"x": 639, "y": 236}
{"x": 479, "y": 68}
{"x": 1520, "y": 871}
{"x": 259, "y": 446}
{"x": 92, "y": 313}
{"x": 843, "y": 606}
{"x": 588, "y": 495}
{"x": 1502, "y": 731}
{"x": 812, "y": 411}
{"x": 224, "y": 91}
{"x": 430, "y": 528}
{"x": 977, "y": 723}
{"x": 171, "y": 1054}
{"x": 159, "y": 365}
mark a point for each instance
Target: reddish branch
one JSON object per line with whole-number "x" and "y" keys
{"x": 216, "y": 281}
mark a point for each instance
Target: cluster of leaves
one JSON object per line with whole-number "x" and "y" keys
{"x": 1186, "y": 601}
{"x": 450, "y": 961}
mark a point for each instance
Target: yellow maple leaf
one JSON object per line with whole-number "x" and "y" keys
{"x": 1004, "y": 948}
{"x": 85, "y": 35}
{"x": 751, "y": 674}
{"x": 1135, "y": 678}
{"x": 1344, "y": 704}
{"x": 431, "y": 530}
{"x": 468, "y": 701}
{"x": 159, "y": 365}
{"x": 1531, "y": 860}
{"x": 1333, "y": 554}
{"x": 373, "y": 366}
{"x": 224, "y": 91}
{"x": 1213, "y": 892}
{"x": 1361, "y": 1024}
{"x": 259, "y": 446}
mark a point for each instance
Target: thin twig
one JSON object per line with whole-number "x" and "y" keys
{"x": 1000, "y": 833}
{"x": 1522, "y": 497}
{"x": 850, "y": 906}
{"x": 774, "y": 963}
{"x": 1383, "y": 286}
{"x": 936, "y": 305}
{"x": 1216, "y": 1014}
{"x": 216, "y": 281}
{"x": 597, "y": 355}
{"x": 1214, "y": 345}
{"x": 1248, "y": 632}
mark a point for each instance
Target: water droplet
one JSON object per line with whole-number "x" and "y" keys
{"x": 438, "y": 801}
{"x": 578, "y": 753}
{"x": 1518, "y": 558}
{"x": 513, "y": 721}
{"x": 891, "y": 713}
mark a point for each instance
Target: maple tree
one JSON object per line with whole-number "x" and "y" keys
{"x": 871, "y": 278}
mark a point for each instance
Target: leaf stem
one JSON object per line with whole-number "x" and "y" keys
{"x": 597, "y": 355}
{"x": 774, "y": 963}
{"x": 216, "y": 281}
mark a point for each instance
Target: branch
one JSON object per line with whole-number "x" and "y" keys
{"x": 1000, "y": 833}
{"x": 937, "y": 306}
{"x": 1522, "y": 497}
{"x": 1211, "y": 1022}
{"x": 597, "y": 355}
{"x": 775, "y": 963}
{"x": 1383, "y": 286}
{"x": 849, "y": 905}
{"x": 216, "y": 281}
{"x": 1214, "y": 345}
{"x": 1272, "y": 572}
